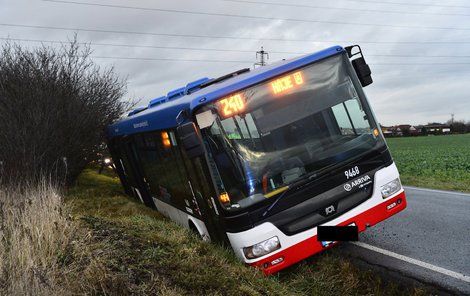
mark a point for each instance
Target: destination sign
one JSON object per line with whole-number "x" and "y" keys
{"x": 287, "y": 82}
{"x": 232, "y": 105}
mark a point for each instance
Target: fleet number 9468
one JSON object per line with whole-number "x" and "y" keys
{"x": 352, "y": 172}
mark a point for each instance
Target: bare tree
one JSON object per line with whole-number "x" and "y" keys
{"x": 457, "y": 126}
{"x": 54, "y": 107}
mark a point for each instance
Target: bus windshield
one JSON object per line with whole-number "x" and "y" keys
{"x": 269, "y": 136}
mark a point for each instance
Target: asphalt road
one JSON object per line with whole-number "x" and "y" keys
{"x": 429, "y": 241}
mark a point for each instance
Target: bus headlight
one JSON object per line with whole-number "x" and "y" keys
{"x": 390, "y": 188}
{"x": 262, "y": 248}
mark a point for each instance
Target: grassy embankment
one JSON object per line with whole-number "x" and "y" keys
{"x": 135, "y": 250}
{"x": 440, "y": 162}
{"x": 103, "y": 242}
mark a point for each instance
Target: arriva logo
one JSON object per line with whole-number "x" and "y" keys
{"x": 361, "y": 182}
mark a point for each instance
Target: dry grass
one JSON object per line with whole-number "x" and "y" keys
{"x": 35, "y": 234}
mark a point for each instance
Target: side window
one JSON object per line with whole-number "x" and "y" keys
{"x": 358, "y": 116}
{"x": 127, "y": 167}
{"x": 232, "y": 129}
{"x": 117, "y": 154}
{"x": 178, "y": 185}
{"x": 342, "y": 119}
{"x": 150, "y": 160}
{"x": 249, "y": 131}
{"x": 163, "y": 167}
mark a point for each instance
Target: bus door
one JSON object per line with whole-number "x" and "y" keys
{"x": 130, "y": 162}
{"x": 205, "y": 195}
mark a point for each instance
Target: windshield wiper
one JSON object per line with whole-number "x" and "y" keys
{"x": 307, "y": 179}
{"x": 302, "y": 182}
{"x": 276, "y": 201}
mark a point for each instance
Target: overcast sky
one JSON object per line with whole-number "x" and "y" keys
{"x": 429, "y": 34}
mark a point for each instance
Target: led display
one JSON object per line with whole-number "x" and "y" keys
{"x": 232, "y": 105}
{"x": 287, "y": 82}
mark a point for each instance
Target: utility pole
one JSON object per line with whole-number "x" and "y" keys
{"x": 261, "y": 54}
{"x": 452, "y": 118}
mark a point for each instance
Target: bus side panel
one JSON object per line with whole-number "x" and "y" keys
{"x": 177, "y": 188}
{"x": 152, "y": 166}
{"x": 182, "y": 218}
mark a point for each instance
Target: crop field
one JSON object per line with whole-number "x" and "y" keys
{"x": 441, "y": 162}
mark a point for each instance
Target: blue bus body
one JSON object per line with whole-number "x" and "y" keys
{"x": 299, "y": 150}
{"x": 163, "y": 116}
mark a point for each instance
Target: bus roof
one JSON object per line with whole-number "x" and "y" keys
{"x": 163, "y": 116}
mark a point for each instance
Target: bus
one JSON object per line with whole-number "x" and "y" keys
{"x": 279, "y": 162}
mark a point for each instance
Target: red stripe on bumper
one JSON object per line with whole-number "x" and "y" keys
{"x": 311, "y": 246}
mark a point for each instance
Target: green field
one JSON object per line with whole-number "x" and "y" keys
{"x": 441, "y": 162}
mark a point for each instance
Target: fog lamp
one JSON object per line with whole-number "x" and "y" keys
{"x": 262, "y": 248}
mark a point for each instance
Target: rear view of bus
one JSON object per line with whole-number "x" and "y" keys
{"x": 294, "y": 152}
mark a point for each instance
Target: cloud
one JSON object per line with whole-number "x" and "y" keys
{"x": 402, "y": 93}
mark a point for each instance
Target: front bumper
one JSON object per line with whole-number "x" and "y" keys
{"x": 311, "y": 246}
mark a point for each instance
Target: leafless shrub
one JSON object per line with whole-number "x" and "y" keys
{"x": 54, "y": 107}
{"x": 35, "y": 235}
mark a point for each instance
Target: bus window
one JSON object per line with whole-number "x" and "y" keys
{"x": 358, "y": 116}
{"x": 342, "y": 119}
{"x": 163, "y": 167}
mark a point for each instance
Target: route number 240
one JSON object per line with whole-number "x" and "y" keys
{"x": 352, "y": 172}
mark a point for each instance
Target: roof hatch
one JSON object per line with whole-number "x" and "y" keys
{"x": 177, "y": 93}
{"x": 195, "y": 85}
{"x": 157, "y": 101}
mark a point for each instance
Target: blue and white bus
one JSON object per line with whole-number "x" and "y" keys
{"x": 263, "y": 160}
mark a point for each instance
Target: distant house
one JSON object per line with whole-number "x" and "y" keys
{"x": 397, "y": 132}
{"x": 437, "y": 129}
{"x": 401, "y": 130}
{"x": 421, "y": 130}
{"x": 387, "y": 131}
{"x": 391, "y": 131}
{"x": 404, "y": 129}
{"x": 415, "y": 131}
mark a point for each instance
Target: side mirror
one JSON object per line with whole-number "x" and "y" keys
{"x": 190, "y": 139}
{"x": 360, "y": 66}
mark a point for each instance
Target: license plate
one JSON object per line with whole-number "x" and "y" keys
{"x": 329, "y": 243}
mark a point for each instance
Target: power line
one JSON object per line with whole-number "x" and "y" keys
{"x": 418, "y": 64}
{"x": 137, "y": 46}
{"x": 169, "y": 59}
{"x": 233, "y": 61}
{"x": 243, "y": 61}
{"x": 226, "y": 37}
{"x": 255, "y": 17}
{"x": 419, "y": 56}
{"x": 216, "y": 49}
{"x": 409, "y": 4}
{"x": 344, "y": 8}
